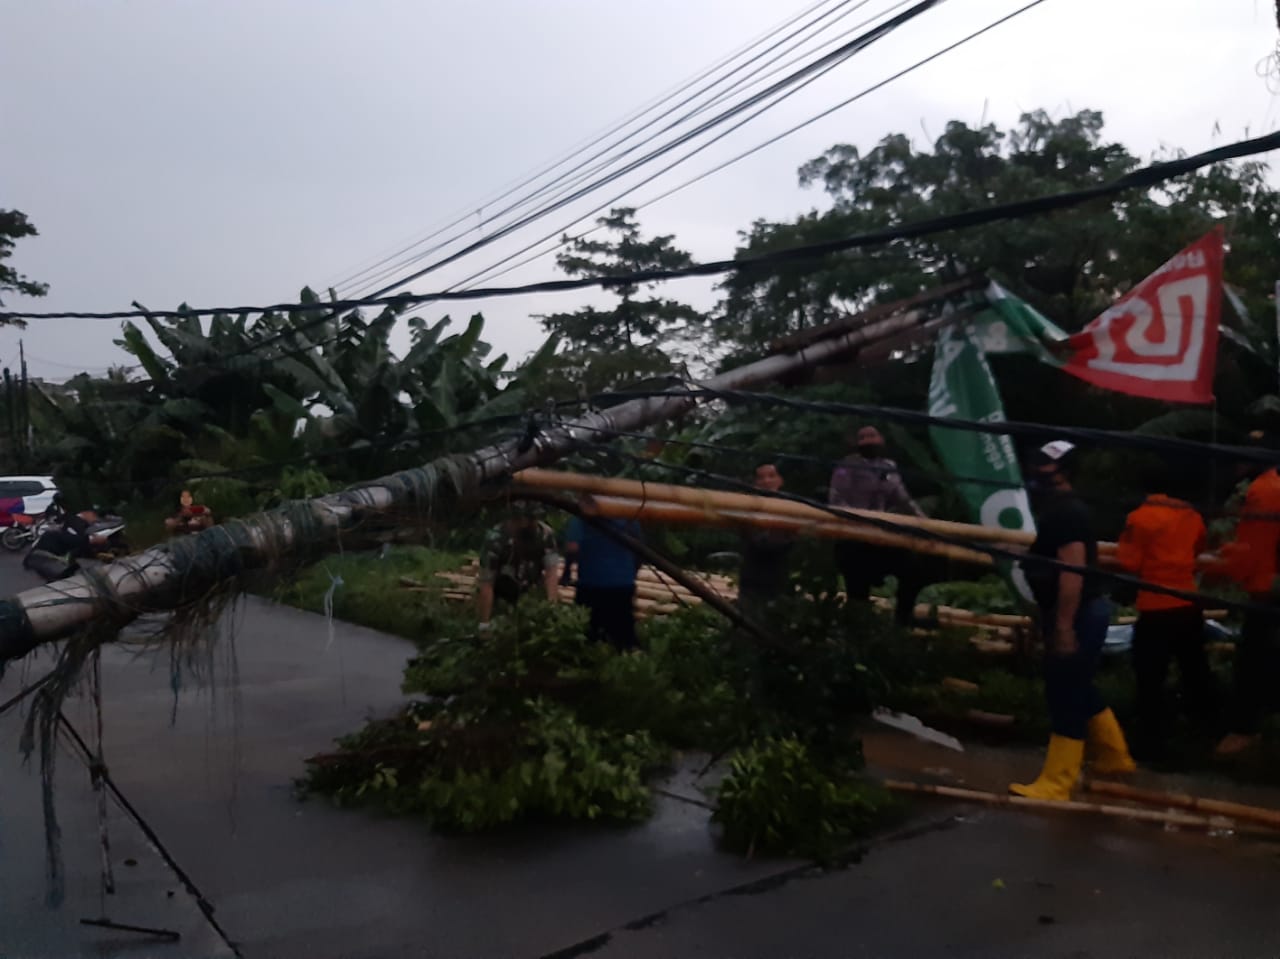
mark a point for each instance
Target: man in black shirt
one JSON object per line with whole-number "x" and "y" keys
{"x": 1074, "y": 615}
{"x": 765, "y": 554}
{"x": 55, "y": 553}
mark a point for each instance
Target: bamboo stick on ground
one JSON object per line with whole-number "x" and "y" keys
{"x": 1069, "y": 806}
{"x": 1215, "y": 807}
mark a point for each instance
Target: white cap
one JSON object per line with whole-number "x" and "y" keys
{"x": 1057, "y": 449}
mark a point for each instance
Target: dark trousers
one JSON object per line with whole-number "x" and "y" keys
{"x": 1257, "y": 669}
{"x": 1160, "y": 636}
{"x": 863, "y": 566}
{"x": 613, "y": 618}
{"x": 1072, "y": 697}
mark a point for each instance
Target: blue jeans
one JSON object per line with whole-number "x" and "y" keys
{"x": 1068, "y": 680}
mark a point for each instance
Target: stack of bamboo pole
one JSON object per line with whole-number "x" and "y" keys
{"x": 670, "y": 503}
{"x": 656, "y": 593}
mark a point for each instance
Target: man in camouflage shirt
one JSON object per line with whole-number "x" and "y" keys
{"x": 869, "y": 480}
{"x": 517, "y": 555}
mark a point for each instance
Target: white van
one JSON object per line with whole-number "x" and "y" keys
{"x": 36, "y": 492}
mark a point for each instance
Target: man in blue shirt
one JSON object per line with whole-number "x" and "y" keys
{"x": 606, "y": 579}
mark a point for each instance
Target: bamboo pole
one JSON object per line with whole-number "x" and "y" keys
{"x": 670, "y": 512}
{"x": 1163, "y": 817}
{"x": 162, "y": 578}
{"x": 721, "y": 500}
{"x": 1214, "y": 807}
{"x": 713, "y": 501}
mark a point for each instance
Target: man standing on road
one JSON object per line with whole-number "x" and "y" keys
{"x": 518, "y": 556}
{"x": 1159, "y": 544}
{"x": 1074, "y": 616}
{"x": 870, "y": 480}
{"x": 606, "y": 577}
{"x": 1251, "y": 560}
{"x": 764, "y": 554}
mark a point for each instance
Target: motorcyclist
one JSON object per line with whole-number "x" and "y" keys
{"x": 55, "y": 554}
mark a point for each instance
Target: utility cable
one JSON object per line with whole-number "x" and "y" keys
{"x": 778, "y": 137}
{"x": 1142, "y": 178}
{"x": 593, "y": 165}
{"x": 550, "y": 167}
{"x": 995, "y": 552}
{"x": 1116, "y": 439}
{"x": 570, "y": 186}
{"x": 805, "y": 73}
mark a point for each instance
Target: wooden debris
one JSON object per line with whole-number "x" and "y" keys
{"x": 959, "y": 685}
{"x": 981, "y": 717}
{"x": 1215, "y": 807}
{"x": 1164, "y": 817}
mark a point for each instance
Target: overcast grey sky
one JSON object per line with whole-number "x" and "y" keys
{"x": 231, "y": 152}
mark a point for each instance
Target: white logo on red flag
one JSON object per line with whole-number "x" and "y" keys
{"x": 1160, "y": 340}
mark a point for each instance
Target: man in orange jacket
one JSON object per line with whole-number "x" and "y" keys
{"x": 1159, "y": 545}
{"x": 1250, "y": 560}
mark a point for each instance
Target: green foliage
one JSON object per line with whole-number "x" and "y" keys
{"x": 296, "y": 484}
{"x": 14, "y": 226}
{"x": 464, "y": 778}
{"x": 238, "y": 396}
{"x": 991, "y": 594}
{"x": 634, "y": 340}
{"x": 372, "y": 595}
{"x": 502, "y": 735}
{"x": 778, "y": 798}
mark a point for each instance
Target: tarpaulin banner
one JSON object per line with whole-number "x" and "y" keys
{"x": 1160, "y": 340}
{"x": 984, "y": 465}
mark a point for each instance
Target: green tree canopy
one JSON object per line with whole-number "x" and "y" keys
{"x": 1069, "y": 264}
{"x": 639, "y": 336}
{"x": 14, "y": 225}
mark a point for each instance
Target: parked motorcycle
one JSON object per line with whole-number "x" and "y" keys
{"x": 110, "y": 529}
{"x": 56, "y": 554}
{"x": 24, "y": 531}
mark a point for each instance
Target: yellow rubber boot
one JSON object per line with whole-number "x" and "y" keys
{"x": 1111, "y": 752}
{"x": 1060, "y": 772}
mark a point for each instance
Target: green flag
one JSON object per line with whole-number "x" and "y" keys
{"x": 1010, "y": 325}
{"x": 985, "y": 465}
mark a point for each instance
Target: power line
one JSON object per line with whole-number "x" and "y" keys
{"x": 909, "y": 472}
{"x": 1141, "y": 178}
{"x": 473, "y": 209}
{"x": 568, "y": 182}
{"x": 989, "y": 549}
{"x": 774, "y": 139}
{"x": 821, "y": 64}
{"x": 1119, "y": 439}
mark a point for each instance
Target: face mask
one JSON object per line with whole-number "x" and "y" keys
{"x": 871, "y": 451}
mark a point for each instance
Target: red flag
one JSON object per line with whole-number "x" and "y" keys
{"x": 1161, "y": 339}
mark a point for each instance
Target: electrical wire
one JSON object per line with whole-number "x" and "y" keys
{"x": 1024, "y": 559}
{"x": 549, "y": 167}
{"x": 488, "y": 276}
{"x": 1115, "y": 439}
{"x": 802, "y": 75}
{"x": 588, "y": 167}
{"x": 571, "y": 187}
{"x": 1141, "y": 178}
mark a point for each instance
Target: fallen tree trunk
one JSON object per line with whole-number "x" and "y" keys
{"x": 188, "y": 571}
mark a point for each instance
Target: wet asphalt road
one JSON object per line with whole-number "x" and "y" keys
{"x": 290, "y": 879}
